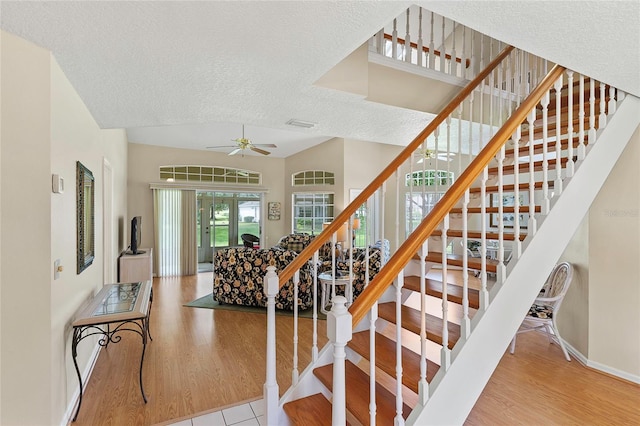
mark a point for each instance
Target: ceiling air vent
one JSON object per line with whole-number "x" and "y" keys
{"x": 301, "y": 123}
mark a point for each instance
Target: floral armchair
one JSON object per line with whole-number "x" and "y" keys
{"x": 239, "y": 277}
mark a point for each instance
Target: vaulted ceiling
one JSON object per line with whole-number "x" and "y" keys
{"x": 187, "y": 74}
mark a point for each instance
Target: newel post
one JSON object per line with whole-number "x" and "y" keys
{"x": 339, "y": 332}
{"x": 271, "y": 393}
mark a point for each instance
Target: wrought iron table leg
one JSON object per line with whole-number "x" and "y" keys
{"x": 145, "y": 331}
{"x": 74, "y": 353}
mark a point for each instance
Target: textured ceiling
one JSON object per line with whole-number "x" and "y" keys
{"x": 208, "y": 66}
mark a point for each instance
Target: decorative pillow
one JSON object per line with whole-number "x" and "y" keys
{"x": 296, "y": 246}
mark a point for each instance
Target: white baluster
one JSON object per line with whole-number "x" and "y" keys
{"x": 270, "y": 390}
{"x": 373, "y": 316}
{"x": 407, "y": 42}
{"x": 316, "y": 302}
{"x": 448, "y": 158}
{"x": 484, "y": 293}
{"x": 592, "y": 112}
{"x": 423, "y": 385}
{"x": 399, "y": 420}
{"x": 432, "y": 47}
{"x": 296, "y": 285}
{"x": 454, "y": 62}
{"x": 465, "y": 323}
{"x": 611, "y": 106}
{"x": 420, "y": 41}
{"x": 380, "y": 41}
{"x": 531, "y": 118}
{"x": 470, "y": 142}
{"x": 581, "y": 117}
{"x": 339, "y": 333}
{"x": 463, "y": 58}
{"x": 394, "y": 40}
{"x": 472, "y": 66}
{"x": 545, "y": 159}
{"x": 516, "y": 247}
{"x": 602, "y": 120}
{"x": 445, "y": 359}
{"x": 557, "y": 185}
{"x": 571, "y": 165}
{"x": 501, "y": 271}
{"x": 443, "y": 56}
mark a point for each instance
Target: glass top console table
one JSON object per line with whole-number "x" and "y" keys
{"x": 116, "y": 308}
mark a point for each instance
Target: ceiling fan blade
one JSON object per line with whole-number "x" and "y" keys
{"x": 222, "y": 146}
{"x": 265, "y": 145}
{"x": 261, "y": 151}
{"x": 235, "y": 151}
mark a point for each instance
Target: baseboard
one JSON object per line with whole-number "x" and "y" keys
{"x": 68, "y": 415}
{"x": 601, "y": 367}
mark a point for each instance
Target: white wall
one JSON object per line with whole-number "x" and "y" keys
{"x": 46, "y": 129}
{"x": 144, "y": 163}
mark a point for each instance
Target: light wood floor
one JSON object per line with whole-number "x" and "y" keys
{"x": 202, "y": 359}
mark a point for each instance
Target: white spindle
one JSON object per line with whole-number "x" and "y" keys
{"x": 420, "y": 41}
{"x": 423, "y": 385}
{"x": 501, "y": 272}
{"x": 399, "y": 419}
{"x": 465, "y": 323}
{"x": 445, "y": 359}
{"x": 532, "y": 226}
{"x": 432, "y": 47}
{"x": 602, "y": 119}
{"x": 557, "y": 184}
{"x": 380, "y": 41}
{"x": 484, "y": 293}
{"x": 339, "y": 333}
{"x": 407, "y": 42}
{"x": 471, "y": 70}
{"x": 516, "y": 245}
{"x": 581, "y": 118}
{"x": 314, "y": 346}
{"x": 463, "y": 57}
{"x": 373, "y": 316}
{"x": 270, "y": 390}
{"x": 592, "y": 112}
{"x": 443, "y": 56}
{"x": 394, "y": 40}
{"x": 296, "y": 285}
{"x": 571, "y": 165}
{"x": 454, "y": 62}
{"x": 545, "y": 155}
{"x": 611, "y": 106}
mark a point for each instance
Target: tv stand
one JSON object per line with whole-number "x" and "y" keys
{"x": 130, "y": 253}
{"x": 136, "y": 267}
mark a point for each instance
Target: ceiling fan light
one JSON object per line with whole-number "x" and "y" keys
{"x": 301, "y": 123}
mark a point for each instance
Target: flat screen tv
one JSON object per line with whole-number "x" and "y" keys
{"x": 136, "y": 235}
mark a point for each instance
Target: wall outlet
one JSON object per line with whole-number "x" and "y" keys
{"x": 57, "y": 268}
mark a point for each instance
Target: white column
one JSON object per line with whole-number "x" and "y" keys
{"x": 270, "y": 389}
{"x": 339, "y": 332}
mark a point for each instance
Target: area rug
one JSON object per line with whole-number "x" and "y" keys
{"x": 208, "y": 303}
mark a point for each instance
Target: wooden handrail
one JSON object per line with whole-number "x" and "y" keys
{"x": 388, "y": 171}
{"x": 426, "y": 50}
{"x": 405, "y": 252}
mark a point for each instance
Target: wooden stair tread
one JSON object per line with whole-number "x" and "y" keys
{"x": 456, "y": 260}
{"x": 386, "y": 358}
{"x": 525, "y": 167}
{"x": 476, "y": 235}
{"x": 411, "y": 322}
{"x": 434, "y": 288}
{"x": 507, "y": 188}
{"x": 505, "y": 209}
{"x": 523, "y": 150}
{"x": 314, "y": 410}
{"x": 357, "y": 394}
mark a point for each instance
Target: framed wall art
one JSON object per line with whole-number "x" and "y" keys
{"x": 274, "y": 210}
{"x": 508, "y": 219}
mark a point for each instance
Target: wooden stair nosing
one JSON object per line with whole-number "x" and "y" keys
{"x": 411, "y": 322}
{"x": 523, "y": 150}
{"x": 458, "y": 233}
{"x": 434, "y": 289}
{"x": 508, "y": 188}
{"x": 525, "y": 167}
{"x": 494, "y": 210}
{"x": 456, "y": 260}
{"x": 386, "y": 358}
{"x": 357, "y": 394}
{"x": 314, "y": 410}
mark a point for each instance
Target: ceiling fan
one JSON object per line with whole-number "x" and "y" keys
{"x": 428, "y": 154}
{"x": 243, "y": 144}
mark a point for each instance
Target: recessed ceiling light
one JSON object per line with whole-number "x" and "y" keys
{"x": 301, "y": 123}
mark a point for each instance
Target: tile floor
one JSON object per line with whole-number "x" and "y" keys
{"x": 251, "y": 414}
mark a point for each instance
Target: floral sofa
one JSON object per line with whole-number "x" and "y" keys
{"x": 239, "y": 274}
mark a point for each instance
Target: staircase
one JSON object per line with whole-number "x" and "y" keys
{"x": 426, "y": 365}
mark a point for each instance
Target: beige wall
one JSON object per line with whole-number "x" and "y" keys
{"x": 46, "y": 129}
{"x": 614, "y": 266}
{"x": 144, "y": 163}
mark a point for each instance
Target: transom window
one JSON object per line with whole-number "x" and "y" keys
{"x": 313, "y": 177}
{"x": 429, "y": 178}
{"x": 209, "y": 174}
{"x": 311, "y": 210}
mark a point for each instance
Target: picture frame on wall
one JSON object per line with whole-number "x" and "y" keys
{"x": 508, "y": 219}
{"x": 274, "y": 208}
